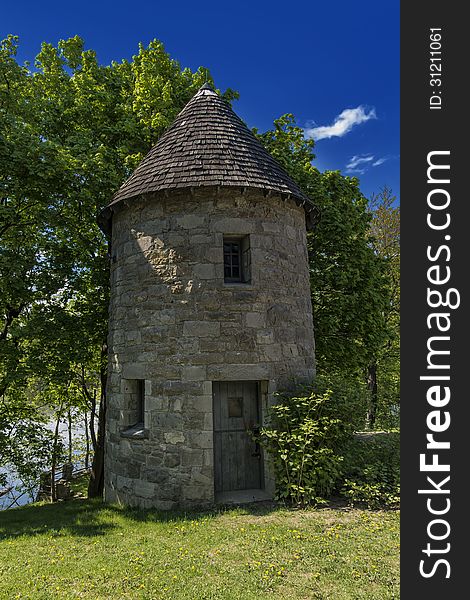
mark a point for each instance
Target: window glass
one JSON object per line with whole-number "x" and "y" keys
{"x": 237, "y": 260}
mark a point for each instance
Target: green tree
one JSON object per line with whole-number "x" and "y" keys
{"x": 71, "y": 130}
{"x": 347, "y": 276}
{"x": 384, "y": 368}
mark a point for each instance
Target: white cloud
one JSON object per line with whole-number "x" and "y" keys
{"x": 343, "y": 123}
{"x": 360, "y": 163}
{"x": 380, "y": 161}
{"x": 361, "y": 159}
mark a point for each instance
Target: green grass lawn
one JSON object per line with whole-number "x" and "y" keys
{"x": 84, "y": 549}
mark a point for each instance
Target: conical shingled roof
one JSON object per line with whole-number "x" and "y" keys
{"x": 208, "y": 145}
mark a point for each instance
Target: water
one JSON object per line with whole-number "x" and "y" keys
{"x": 17, "y": 496}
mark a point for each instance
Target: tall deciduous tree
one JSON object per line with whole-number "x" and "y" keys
{"x": 347, "y": 277}
{"x": 384, "y": 367}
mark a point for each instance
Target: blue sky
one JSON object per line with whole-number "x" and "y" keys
{"x": 333, "y": 64}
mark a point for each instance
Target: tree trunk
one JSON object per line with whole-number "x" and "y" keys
{"x": 54, "y": 456}
{"x": 69, "y": 419}
{"x": 96, "y": 483}
{"x": 92, "y": 421}
{"x": 91, "y": 400}
{"x": 87, "y": 439}
{"x": 373, "y": 394}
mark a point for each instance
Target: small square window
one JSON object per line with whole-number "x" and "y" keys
{"x": 235, "y": 407}
{"x": 134, "y": 401}
{"x": 134, "y": 409}
{"x": 237, "y": 259}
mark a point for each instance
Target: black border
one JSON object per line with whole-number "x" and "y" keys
{"x": 424, "y": 130}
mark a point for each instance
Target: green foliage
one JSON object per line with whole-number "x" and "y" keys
{"x": 25, "y": 440}
{"x": 71, "y": 131}
{"x": 354, "y": 267}
{"x": 287, "y": 144}
{"x": 305, "y": 438}
{"x": 372, "y": 470}
{"x": 348, "y": 279}
{"x": 311, "y": 442}
{"x": 385, "y": 230}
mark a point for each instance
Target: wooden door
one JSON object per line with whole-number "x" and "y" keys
{"x": 237, "y": 459}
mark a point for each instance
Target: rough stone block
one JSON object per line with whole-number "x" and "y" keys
{"x": 272, "y": 352}
{"x": 204, "y": 271}
{"x": 164, "y": 504}
{"x": 265, "y": 337}
{"x": 208, "y": 421}
{"x": 167, "y": 421}
{"x": 171, "y": 460}
{"x": 109, "y": 494}
{"x": 193, "y": 421}
{"x": 131, "y": 467}
{"x": 202, "y": 403}
{"x": 192, "y": 457}
{"x": 125, "y": 484}
{"x": 155, "y": 475}
{"x": 133, "y": 336}
{"x": 233, "y": 226}
{"x": 165, "y": 317}
{"x": 207, "y": 388}
{"x": 191, "y": 221}
{"x": 208, "y": 458}
{"x": 202, "y": 238}
{"x": 174, "y": 437}
{"x": 235, "y": 372}
{"x": 271, "y": 227}
{"x": 170, "y": 492}
{"x": 144, "y": 489}
{"x": 201, "y": 328}
{"x": 133, "y": 371}
{"x": 207, "y": 472}
{"x": 194, "y": 373}
{"x": 198, "y": 478}
{"x": 209, "y": 345}
{"x": 154, "y": 461}
{"x": 192, "y": 492}
{"x": 158, "y": 403}
{"x": 145, "y": 243}
{"x": 202, "y": 439}
{"x": 255, "y": 319}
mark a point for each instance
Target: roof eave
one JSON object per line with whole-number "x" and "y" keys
{"x": 104, "y": 217}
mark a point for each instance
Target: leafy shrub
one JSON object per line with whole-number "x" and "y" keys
{"x": 305, "y": 438}
{"x": 372, "y": 470}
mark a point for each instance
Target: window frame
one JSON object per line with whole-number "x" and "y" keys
{"x": 244, "y": 259}
{"x": 237, "y": 242}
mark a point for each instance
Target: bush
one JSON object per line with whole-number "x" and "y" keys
{"x": 372, "y": 470}
{"x": 306, "y": 436}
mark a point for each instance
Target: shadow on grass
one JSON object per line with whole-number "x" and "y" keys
{"x": 76, "y": 517}
{"x": 91, "y": 518}
{"x": 214, "y": 511}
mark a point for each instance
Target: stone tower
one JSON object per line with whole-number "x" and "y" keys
{"x": 210, "y": 312}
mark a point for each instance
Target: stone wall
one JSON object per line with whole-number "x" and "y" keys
{"x": 175, "y": 324}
